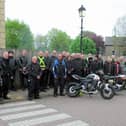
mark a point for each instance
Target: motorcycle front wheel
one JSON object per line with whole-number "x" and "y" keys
{"x": 107, "y": 91}
{"x": 71, "y": 90}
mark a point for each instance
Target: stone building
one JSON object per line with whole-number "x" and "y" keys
{"x": 2, "y": 23}
{"x": 115, "y": 45}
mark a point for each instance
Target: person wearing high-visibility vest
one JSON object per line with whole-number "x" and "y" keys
{"x": 42, "y": 63}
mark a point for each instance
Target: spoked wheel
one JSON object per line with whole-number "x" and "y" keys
{"x": 71, "y": 91}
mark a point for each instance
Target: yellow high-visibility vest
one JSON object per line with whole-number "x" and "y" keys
{"x": 41, "y": 62}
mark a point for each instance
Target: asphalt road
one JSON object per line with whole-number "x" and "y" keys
{"x": 80, "y": 111}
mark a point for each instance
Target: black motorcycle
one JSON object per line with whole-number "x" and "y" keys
{"x": 90, "y": 84}
{"x": 118, "y": 82}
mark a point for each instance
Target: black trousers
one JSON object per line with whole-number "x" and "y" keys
{"x": 41, "y": 82}
{"x": 44, "y": 79}
{"x": 33, "y": 88}
{"x": 59, "y": 82}
{"x": 11, "y": 81}
{"x": 1, "y": 91}
{"x": 23, "y": 80}
{"x": 51, "y": 79}
{"x": 5, "y": 86}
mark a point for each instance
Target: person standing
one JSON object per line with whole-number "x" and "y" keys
{"x": 90, "y": 64}
{"x": 69, "y": 68}
{"x": 1, "y": 80}
{"x": 42, "y": 63}
{"x": 84, "y": 65}
{"x": 108, "y": 66}
{"x": 22, "y": 64}
{"x": 60, "y": 74}
{"x": 34, "y": 74}
{"x": 5, "y": 75}
{"x": 47, "y": 62}
{"x": 95, "y": 65}
{"x": 77, "y": 64}
{"x": 122, "y": 64}
{"x": 100, "y": 62}
{"x": 116, "y": 67}
{"x": 13, "y": 66}
{"x": 53, "y": 57}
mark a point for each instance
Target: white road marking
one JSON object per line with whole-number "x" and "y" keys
{"x": 18, "y": 109}
{"x": 13, "y": 111}
{"x": 17, "y": 104}
{"x": 27, "y": 114}
{"x": 36, "y": 121}
{"x": 74, "y": 123}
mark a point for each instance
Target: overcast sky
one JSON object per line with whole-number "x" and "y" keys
{"x": 42, "y": 15}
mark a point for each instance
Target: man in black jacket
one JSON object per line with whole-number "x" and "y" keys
{"x": 1, "y": 80}
{"x": 22, "y": 64}
{"x": 13, "y": 66}
{"x": 47, "y": 62}
{"x": 53, "y": 57}
{"x": 90, "y": 63}
{"x": 34, "y": 75}
{"x": 77, "y": 65}
{"x": 5, "y": 75}
{"x": 108, "y": 67}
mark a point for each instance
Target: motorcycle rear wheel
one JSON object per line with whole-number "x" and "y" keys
{"x": 107, "y": 92}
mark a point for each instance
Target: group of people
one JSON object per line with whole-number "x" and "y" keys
{"x": 51, "y": 70}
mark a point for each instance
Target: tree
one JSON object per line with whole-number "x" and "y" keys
{"x": 120, "y": 27}
{"x": 97, "y": 39}
{"x": 88, "y": 45}
{"x": 41, "y": 42}
{"x": 119, "y": 35}
{"x": 58, "y": 40}
{"x": 18, "y": 35}
{"x": 119, "y": 45}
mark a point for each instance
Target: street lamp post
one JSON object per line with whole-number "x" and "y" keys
{"x": 81, "y": 14}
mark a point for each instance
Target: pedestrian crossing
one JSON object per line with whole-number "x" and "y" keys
{"x": 31, "y": 113}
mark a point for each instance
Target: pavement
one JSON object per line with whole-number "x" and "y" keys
{"x": 21, "y": 95}
{"x": 63, "y": 111}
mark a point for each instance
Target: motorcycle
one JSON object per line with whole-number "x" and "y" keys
{"x": 91, "y": 84}
{"x": 118, "y": 82}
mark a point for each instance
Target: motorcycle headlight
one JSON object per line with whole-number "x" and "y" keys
{"x": 111, "y": 81}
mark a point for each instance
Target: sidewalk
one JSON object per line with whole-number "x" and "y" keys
{"x": 20, "y": 95}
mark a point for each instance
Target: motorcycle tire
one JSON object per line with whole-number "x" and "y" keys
{"x": 124, "y": 85}
{"x": 107, "y": 93}
{"x": 70, "y": 91}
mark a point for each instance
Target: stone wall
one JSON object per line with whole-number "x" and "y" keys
{"x": 2, "y": 23}
{"x": 108, "y": 50}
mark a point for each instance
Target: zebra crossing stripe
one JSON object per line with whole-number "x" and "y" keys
{"x": 74, "y": 123}
{"x": 27, "y": 114}
{"x": 18, "y": 109}
{"x": 17, "y": 104}
{"x": 37, "y": 121}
